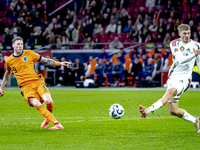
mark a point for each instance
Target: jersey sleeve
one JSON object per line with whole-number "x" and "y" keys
{"x": 177, "y": 54}
{"x": 35, "y": 56}
{"x": 7, "y": 64}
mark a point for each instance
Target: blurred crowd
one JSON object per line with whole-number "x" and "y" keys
{"x": 93, "y": 23}
{"x": 96, "y": 21}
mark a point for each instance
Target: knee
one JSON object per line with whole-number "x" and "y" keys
{"x": 47, "y": 99}
{"x": 34, "y": 102}
{"x": 172, "y": 92}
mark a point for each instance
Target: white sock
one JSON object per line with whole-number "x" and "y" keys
{"x": 189, "y": 117}
{"x": 156, "y": 106}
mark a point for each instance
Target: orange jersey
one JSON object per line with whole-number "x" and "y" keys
{"x": 23, "y": 66}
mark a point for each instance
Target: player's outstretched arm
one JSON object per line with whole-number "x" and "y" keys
{"x": 52, "y": 62}
{"x": 6, "y": 78}
{"x": 184, "y": 59}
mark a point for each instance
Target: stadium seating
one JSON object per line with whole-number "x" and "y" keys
{"x": 127, "y": 40}
{"x": 130, "y": 10}
{"x": 1, "y": 13}
{"x": 163, "y": 51}
{"x": 170, "y": 60}
{"x": 152, "y": 52}
{"x": 127, "y": 64}
{"x": 4, "y": 19}
{"x": 185, "y": 15}
{"x": 122, "y": 35}
{"x": 154, "y": 34}
{"x": 186, "y": 9}
{"x": 134, "y": 40}
{"x": 162, "y": 8}
{"x": 137, "y": 9}
{"x": 126, "y": 56}
{"x": 139, "y": 3}
{"x": 87, "y": 11}
{"x": 135, "y": 15}
{"x": 96, "y": 35}
{"x": 121, "y": 39}
{"x": 194, "y": 15}
{"x": 179, "y": 9}
{"x": 93, "y": 64}
{"x": 112, "y": 35}
{"x": 109, "y": 40}
{"x": 104, "y": 36}
{"x": 103, "y": 40}
{"x": 114, "y": 59}
{"x": 194, "y": 9}
{"x": 132, "y": 1}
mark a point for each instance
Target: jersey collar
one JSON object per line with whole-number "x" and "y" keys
{"x": 18, "y": 55}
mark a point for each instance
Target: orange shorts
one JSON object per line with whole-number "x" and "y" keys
{"x": 34, "y": 89}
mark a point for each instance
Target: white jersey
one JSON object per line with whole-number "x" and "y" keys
{"x": 183, "y": 57}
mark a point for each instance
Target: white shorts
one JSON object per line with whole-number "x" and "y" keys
{"x": 181, "y": 83}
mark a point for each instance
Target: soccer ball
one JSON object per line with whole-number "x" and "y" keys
{"x": 116, "y": 111}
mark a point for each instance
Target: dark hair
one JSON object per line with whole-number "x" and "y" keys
{"x": 16, "y": 39}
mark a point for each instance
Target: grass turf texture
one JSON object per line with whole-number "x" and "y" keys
{"x": 88, "y": 126}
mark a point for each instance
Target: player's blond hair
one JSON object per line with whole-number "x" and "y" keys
{"x": 183, "y": 27}
{"x": 16, "y": 39}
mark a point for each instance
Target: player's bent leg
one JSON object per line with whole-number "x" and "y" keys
{"x": 170, "y": 93}
{"x": 48, "y": 101}
{"x": 46, "y": 113}
{"x": 174, "y": 110}
{"x": 50, "y": 104}
{"x": 161, "y": 102}
{"x": 181, "y": 113}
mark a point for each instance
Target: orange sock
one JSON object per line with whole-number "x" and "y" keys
{"x": 47, "y": 114}
{"x": 50, "y": 107}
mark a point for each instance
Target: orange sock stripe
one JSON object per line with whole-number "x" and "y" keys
{"x": 47, "y": 114}
{"x": 50, "y": 107}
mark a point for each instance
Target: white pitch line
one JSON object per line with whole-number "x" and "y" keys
{"x": 132, "y": 118}
{"x": 59, "y": 118}
{"x": 96, "y": 120}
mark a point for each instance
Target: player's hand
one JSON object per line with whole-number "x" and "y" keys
{"x": 197, "y": 52}
{"x": 1, "y": 92}
{"x": 65, "y": 63}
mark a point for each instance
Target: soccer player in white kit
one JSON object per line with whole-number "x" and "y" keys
{"x": 185, "y": 51}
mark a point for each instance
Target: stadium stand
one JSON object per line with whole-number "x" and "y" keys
{"x": 91, "y": 18}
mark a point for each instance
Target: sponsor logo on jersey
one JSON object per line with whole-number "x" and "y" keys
{"x": 182, "y": 48}
{"x": 25, "y": 59}
{"x": 176, "y": 50}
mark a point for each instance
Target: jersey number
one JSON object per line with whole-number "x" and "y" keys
{"x": 14, "y": 69}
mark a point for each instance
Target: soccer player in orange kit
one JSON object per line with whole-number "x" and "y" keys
{"x": 32, "y": 85}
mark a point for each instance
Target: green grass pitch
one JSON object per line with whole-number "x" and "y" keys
{"x": 88, "y": 126}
